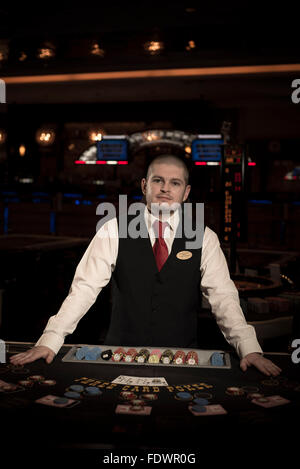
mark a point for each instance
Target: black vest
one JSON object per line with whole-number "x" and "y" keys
{"x": 152, "y": 308}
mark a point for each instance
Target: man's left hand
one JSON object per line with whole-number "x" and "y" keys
{"x": 262, "y": 364}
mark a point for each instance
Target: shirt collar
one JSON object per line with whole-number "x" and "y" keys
{"x": 173, "y": 220}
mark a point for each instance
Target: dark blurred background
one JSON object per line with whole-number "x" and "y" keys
{"x": 134, "y": 69}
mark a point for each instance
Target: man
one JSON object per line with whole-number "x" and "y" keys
{"x": 154, "y": 301}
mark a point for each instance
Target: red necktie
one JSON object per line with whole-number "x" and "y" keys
{"x": 160, "y": 248}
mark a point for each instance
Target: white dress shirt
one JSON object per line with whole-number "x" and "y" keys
{"x": 99, "y": 260}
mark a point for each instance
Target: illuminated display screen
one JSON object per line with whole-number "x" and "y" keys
{"x": 207, "y": 149}
{"x": 115, "y": 149}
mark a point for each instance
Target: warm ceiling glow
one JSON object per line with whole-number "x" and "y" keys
{"x": 45, "y": 137}
{"x": 191, "y": 45}
{"x": 153, "y": 47}
{"x": 2, "y": 136}
{"x": 96, "y": 135}
{"x": 22, "y": 150}
{"x": 46, "y": 51}
{"x": 97, "y": 50}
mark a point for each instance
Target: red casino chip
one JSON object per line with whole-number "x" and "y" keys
{"x": 36, "y": 378}
{"x": 118, "y": 354}
{"x": 26, "y": 383}
{"x": 128, "y": 395}
{"x": 150, "y": 396}
{"x": 130, "y": 355}
{"x": 192, "y": 358}
{"x": 48, "y": 382}
{"x": 154, "y": 356}
{"x": 179, "y": 357}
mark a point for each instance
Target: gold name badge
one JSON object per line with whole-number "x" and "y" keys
{"x": 183, "y": 255}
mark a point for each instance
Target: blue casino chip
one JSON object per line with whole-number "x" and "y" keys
{"x": 93, "y": 354}
{"x": 217, "y": 359}
{"x": 184, "y": 396}
{"x": 80, "y": 353}
{"x": 200, "y": 401}
{"x": 76, "y": 387}
{"x": 92, "y": 391}
{"x": 72, "y": 395}
{"x": 198, "y": 408}
{"x": 61, "y": 400}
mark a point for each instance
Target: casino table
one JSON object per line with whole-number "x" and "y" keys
{"x": 93, "y": 422}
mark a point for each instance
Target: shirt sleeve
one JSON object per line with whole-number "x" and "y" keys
{"x": 222, "y": 295}
{"x": 92, "y": 274}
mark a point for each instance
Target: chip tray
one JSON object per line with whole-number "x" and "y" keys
{"x": 203, "y": 357}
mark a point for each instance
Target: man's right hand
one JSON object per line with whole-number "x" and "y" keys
{"x": 39, "y": 351}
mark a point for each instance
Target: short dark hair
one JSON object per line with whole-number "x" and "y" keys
{"x": 172, "y": 159}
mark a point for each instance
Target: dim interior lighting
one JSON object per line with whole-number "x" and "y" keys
{"x": 45, "y": 137}
{"x": 4, "y": 50}
{"x": 154, "y": 47}
{"x": 191, "y": 45}
{"x": 22, "y": 56}
{"x": 188, "y": 149}
{"x": 96, "y": 50}
{"x": 2, "y": 136}
{"x": 46, "y": 51}
{"x": 96, "y": 135}
{"x": 22, "y": 150}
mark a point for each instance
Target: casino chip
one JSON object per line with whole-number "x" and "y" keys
{"x": 76, "y": 388}
{"x": 184, "y": 396}
{"x": 106, "y": 354}
{"x": 150, "y": 396}
{"x": 26, "y": 383}
{"x": 200, "y": 401}
{"x": 48, "y": 382}
{"x": 217, "y": 359}
{"x": 61, "y": 400}
{"x": 127, "y": 395}
{"x": 179, "y": 357}
{"x": 235, "y": 391}
{"x": 81, "y": 352}
{"x": 198, "y": 408}
{"x": 92, "y": 391}
{"x": 37, "y": 378}
{"x": 72, "y": 395}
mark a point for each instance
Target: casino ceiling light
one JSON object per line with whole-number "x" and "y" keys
{"x": 4, "y": 51}
{"x": 96, "y": 135}
{"x": 96, "y": 50}
{"x": 154, "y": 47}
{"x": 45, "y": 137}
{"x": 46, "y": 51}
{"x": 3, "y": 136}
{"x": 191, "y": 45}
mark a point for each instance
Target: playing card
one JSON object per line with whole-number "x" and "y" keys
{"x": 49, "y": 400}
{"x": 270, "y": 401}
{"x": 133, "y": 410}
{"x": 140, "y": 381}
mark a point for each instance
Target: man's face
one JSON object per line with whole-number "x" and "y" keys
{"x": 165, "y": 185}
